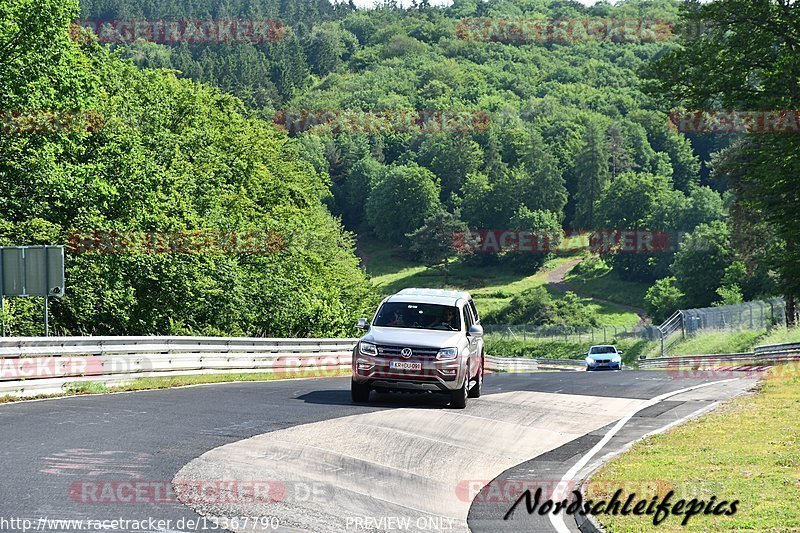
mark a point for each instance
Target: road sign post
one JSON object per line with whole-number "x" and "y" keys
{"x": 31, "y": 271}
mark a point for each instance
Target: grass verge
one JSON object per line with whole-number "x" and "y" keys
{"x": 556, "y": 349}
{"x": 492, "y": 286}
{"x": 93, "y": 387}
{"x": 746, "y": 450}
{"x": 604, "y": 282}
{"x": 728, "y": 341}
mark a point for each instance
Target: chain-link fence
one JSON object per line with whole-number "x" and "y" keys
{"x": 570, "y": 333}
{"x": 749, "y": 315}
{"x": 762, "y": 314}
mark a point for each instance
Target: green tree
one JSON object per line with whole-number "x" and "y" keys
{"x": 591, "y": 168}
{"x": 700, "y": 264}
{"x": 434, "y": 241}
{"x": 663, "y": 299}
{"x": 353, "y": 194}
{"x": 170, "y": 155}
{"x": 741, "y": 41}
{"x": 451, "y": 158}
{"x": 644, "y": 202}
{"x": 401, "y": 201}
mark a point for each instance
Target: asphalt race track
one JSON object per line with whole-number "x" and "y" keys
{"x": 298, "y": 456}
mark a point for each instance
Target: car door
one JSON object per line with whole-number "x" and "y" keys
{"x": 474, "y": 361}
{"x": 476, "y": 320}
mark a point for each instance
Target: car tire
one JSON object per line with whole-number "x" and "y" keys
{"x": 475, "y": 391}
{"x": 458, "y": 397}
{"x": 359, "y": 392}
{"x": 588, "y": 368}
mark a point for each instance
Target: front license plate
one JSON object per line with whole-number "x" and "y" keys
{"x": 405, "y": 365}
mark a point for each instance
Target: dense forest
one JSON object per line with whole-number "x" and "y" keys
{"x": 578, "y": 137}
{"x": 172, "y": 155}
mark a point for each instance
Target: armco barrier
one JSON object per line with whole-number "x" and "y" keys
{"x": 768, "y": 354}
{"x": 44, "y": 365}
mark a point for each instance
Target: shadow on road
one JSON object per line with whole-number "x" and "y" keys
{"x": 342, "y": 397}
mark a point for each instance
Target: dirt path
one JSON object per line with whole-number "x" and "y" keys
{"x": 555, "y": 278}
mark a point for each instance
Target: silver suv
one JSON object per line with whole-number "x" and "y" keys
{"x": 421, "y": 340}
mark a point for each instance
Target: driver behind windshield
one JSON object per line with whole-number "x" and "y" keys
{"x": 398, "y": 319}
{"x": 447, "y": 319}
{"x": 418, "y": 316}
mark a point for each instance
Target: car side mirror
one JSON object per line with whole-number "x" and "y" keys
{"x": 642, "y": 357}
{"x": 620, "y": 352}
{"x": 475, "y": 330}
{"x": 362, "y": 324}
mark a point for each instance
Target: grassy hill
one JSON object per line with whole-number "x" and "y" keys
{"x": 492, "y": 286}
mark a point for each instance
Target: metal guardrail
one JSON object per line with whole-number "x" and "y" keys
{"x": 777, "y": 348}
{"x": 39, "y": 365}
{"x": 773, "y": 353}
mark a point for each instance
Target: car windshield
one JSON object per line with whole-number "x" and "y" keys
{"x": 418, "y": 316}
{"x": 603, "y": 349}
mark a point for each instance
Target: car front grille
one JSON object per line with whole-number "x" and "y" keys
{"x": 385, "y": 350}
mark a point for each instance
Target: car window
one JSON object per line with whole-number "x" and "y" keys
{"x": 603, "y": 349}
{"x": 418, "y": 316}
{"x": 476, "y": 318}
{"x": 467, "y": 318}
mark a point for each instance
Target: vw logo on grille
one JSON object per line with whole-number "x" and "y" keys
{"x": 406, "y": 352}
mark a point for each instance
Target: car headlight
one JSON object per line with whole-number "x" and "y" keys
{"x": 447, "y": 353}
{"x": 616, "y": 359}
{"x": 367, "y": 348}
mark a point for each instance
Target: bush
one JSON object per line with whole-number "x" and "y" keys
{"x": 536, "y": 307}
{"x": 591, "y": 268}
{"x": 663, "y": 299}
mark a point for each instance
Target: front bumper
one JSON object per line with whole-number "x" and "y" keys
{"x": 433, "y": 375}
{"x": 604, "y": 365}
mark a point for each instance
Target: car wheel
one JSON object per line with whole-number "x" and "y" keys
{"x": 458, "y": 397}
{"x": 588, "y": 368}
{"x": 475, "y": 391}
{"x": 359, "y": 392}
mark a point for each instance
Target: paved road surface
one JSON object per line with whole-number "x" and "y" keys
{"x": 304, "y": 455}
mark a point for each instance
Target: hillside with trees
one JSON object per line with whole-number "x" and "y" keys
{"x": 170, "y": 155}
{"x": 578, "y": 138}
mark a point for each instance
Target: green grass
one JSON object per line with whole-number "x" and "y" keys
{"x": 491, "y": 286}
{"x": 718, "y": 342}
{"x": 781, "y": 335}
{"x": 166, "y": 382}
{"x": 560, "y": 349}
{"x": 606, "y": 284}
{"x": 747, "y": 450}
{"x": 721, "y": 342}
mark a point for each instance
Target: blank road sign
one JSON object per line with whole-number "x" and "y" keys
{"x": 32, "y": 270}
